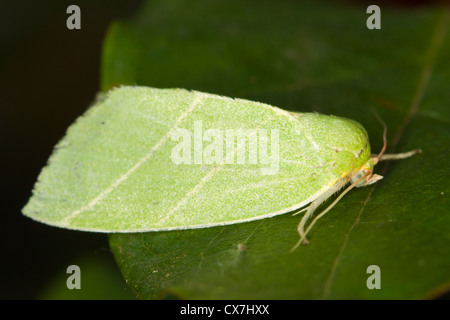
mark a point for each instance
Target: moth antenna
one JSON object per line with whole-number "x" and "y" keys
{"x": 381, "y": 156}
{"x": 378, "y": 157}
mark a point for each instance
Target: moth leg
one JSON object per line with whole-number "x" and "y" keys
{"x": 301, "y": 226}
{"x": 299, "y": 211}
{"x": 312, "y": 207}
{"x": 398, "y": 156}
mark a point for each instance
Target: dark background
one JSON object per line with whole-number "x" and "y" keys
{"x": 49, "y": 75}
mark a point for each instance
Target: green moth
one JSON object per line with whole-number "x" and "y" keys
{"x": 145, "y": 159}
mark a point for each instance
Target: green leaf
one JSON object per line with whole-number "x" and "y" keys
{"x": 303, "y": 57}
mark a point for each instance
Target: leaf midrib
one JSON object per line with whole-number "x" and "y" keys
{"x": 424, "y": 79}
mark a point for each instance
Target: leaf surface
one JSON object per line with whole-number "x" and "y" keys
{"x": 303, "y": 57}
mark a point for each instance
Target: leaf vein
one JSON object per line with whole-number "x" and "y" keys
{"x": 424, "y": 79}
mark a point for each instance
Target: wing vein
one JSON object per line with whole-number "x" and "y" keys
{"x": 204, "y": 180}
{"x": 141, "y": 161}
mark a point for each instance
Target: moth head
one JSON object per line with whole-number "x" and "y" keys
{"x": 365, "y": 176}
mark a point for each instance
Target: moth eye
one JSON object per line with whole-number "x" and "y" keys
{"x": 357, "y": 176}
